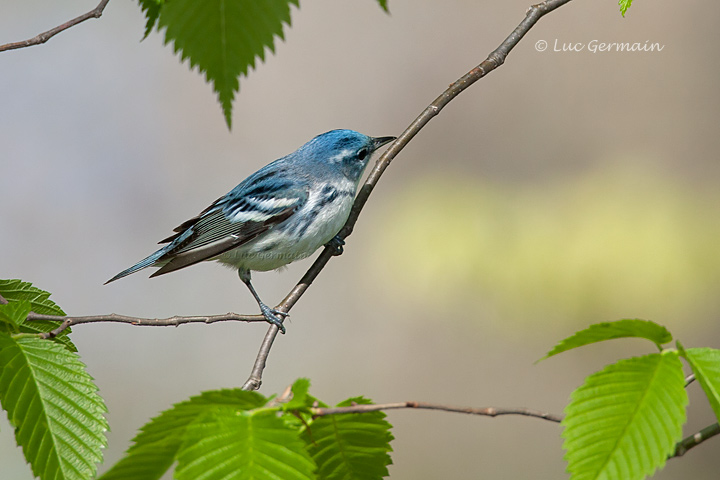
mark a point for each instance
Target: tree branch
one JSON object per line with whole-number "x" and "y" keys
{"x": 45, "y": 36}
{"x": 487, "y": 411}
{"x": 694, "y": 440}
{"x": 137, "y": 321}
{"x": 141, "y": 322}
{"x": 493, "y": 61}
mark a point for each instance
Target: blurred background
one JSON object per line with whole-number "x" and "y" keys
{"x": 564, "y": 189}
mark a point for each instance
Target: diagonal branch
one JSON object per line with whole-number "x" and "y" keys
{"x": 493, "y": 61}
{"x": 45, "y": 36}
{"x": 487, "y": 411}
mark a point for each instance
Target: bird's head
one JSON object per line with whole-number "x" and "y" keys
{"x": 347, "y": 150}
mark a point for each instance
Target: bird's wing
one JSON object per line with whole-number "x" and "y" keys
{"x": 231, "y": 221}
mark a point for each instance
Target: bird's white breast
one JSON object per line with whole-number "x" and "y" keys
{"x": 296, "y": 238}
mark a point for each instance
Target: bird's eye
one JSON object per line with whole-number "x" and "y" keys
{"x": 362, "y": 154}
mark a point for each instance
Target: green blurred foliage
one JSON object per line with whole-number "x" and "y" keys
{"x": 626, "y": 241}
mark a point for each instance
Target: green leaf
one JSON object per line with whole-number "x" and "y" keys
{"x": 53, "y": 404}
{"x": 152, "y": 12}
{"x": 705, "y": 363}
{"x": 223, "y": 38}
{"x": 351, "y": 445}
{"x": 609, "y": 330}
{"x": 384, "y": 5}
{"x": 155, "y": 448}
{"x": 39, "y": 299}
{"x": 624, "y": 5}
{"x": 300, "y": 398}
{"x": 17, "y": 290}
{"x": 229, "y": 443}
{"x": 15, "y": 313}
{"x": 625, "y": 420}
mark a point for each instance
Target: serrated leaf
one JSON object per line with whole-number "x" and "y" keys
{"x": 39, "y": 299}
{"x": 705, "y": 363}
{"x": 15, "y": 313}
{"x": 624, "y": 421}
{"x": 223, "y": 38}
{"x": 16, "y": 290}
{"x": 53, "y": 404}
{"x": 351, "y": 445}
{"x": 152, "y": 13}
{"x": 227, "y": 443}
{"x": 599, "y": 332}
{"x": 155, "y": 448}
{"x": 624, "y": 5}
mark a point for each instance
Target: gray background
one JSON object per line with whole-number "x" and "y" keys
{"x": 564, "y": 189}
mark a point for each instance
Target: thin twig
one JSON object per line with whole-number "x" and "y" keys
{"x": 694, "y": 440}
{"x": 141, "y": 322}
{"x": 45, "y": 36}
{"x": 493, "y": 61}
{"x": 487, "y": 411}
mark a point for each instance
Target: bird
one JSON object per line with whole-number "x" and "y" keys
{"x": 282, "y": 213}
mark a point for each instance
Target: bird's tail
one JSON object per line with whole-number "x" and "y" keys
{"x": 144, "y": 263}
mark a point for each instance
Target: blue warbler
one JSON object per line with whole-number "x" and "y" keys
{"x": 281, "y": 213}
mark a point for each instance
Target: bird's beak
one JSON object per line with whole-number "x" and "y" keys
{"x": 380, "y": 141}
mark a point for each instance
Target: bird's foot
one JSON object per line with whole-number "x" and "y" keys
{"x": 336, "y": 244}
{"x": 274, "y": 317}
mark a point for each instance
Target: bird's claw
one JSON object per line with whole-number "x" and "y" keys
{"x": 284, "y": 315}
{"x": 336, "y": 243}
{"x": 270, "y": 316}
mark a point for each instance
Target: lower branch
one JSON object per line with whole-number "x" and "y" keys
{"x": 45, "y": 36}
{"x": 487, "y": 411}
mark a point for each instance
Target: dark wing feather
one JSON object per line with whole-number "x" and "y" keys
{"x": 180, "y": 229}
{"x": 213, "y": 232}
{"x": 195, "y": 253}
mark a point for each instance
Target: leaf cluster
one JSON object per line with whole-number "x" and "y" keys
{"x": 59, "y": 420}
{"x": 625, "y": 421}
{"x": 240, "y": 434}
